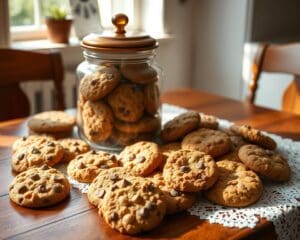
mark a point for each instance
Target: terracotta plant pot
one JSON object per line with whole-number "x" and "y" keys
{"x": 58, "y": 30}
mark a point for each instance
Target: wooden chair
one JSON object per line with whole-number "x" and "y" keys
{"x": 280, "y": 59}
{"x": 20, "y": 66}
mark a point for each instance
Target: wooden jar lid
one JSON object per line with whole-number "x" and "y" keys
{"x": 120, "y": 40}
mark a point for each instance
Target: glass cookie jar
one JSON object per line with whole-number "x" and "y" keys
{"x": 118, "y": 90}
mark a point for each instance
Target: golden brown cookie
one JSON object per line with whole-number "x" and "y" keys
{"x": 176, "y": 201}
{"x": 28, "y": 140}
{"x": 190, "y": 171}
{"x": 254, "y": 136}
{"x": 144, "y": 125}
{"x": 134, "y": 207}
{"x": 140, "y": 73}
{"x": 236, "y": 187}
{"x": 208, "y": 121}
{"x": 127, "y": 102}
{"x": 39, "y": 187}
{"x": 213, "y": 142}
{"x": 265, "y": 162}
{"x": 102, "y": 183}
{"x": 51, "y": 122}
{"x": 97, "y": 121}
{"x": 152, "y": 101}
{"x": 142, "y": 158}
{"x": 85, "y": 167}
{"x": 47, "y": 152}
{"x": 97, "y": 85}
{"x": 180, "y": 126}
{"x": 72, "y": 148}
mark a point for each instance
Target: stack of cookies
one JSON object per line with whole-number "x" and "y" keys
{"x": 134, "y": 190}
{"x": 119, "y": 104}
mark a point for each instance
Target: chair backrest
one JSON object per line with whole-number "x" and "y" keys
{"x": 283, "y": 58}
{"x": 18, "y": 66}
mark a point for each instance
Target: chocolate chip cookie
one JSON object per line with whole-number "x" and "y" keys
{"x": 190, "y": 171}
{"x": 97, "y": 85}
{"x": 212, "y": 142}
{"x": 72, "y": 148}
{"x": 236, "y": 187}
{"x": 180, "y": 126}
{"x": 265, "y": 162}
{"x": 85, "y": 167}
{"x": 39, "y": 187}
{"x": 127, "y": 102}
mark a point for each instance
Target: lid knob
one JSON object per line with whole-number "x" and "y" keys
{"x": 120, "y": 20}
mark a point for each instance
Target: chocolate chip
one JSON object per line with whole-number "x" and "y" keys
{"x": 93, "y": 152}
{"x": 44, "y": 167}
{"x": 114, "y": 177}
{"x": 35, "y": 151}
{"x": 151, "y": 187}
{"x": 57, "y": 188}
{"x": 22, "y": 189}
{"x": 35, "y": 177}
{"x": 136, "y": 198}
{"x": 174, "y": 193}
{"x": 150, "y": 205}
{"x": 50, "y": 144}
{"x": 49, "y": 158}
{"x": 24, "y": 138}
{"x": 125, "y": 183}
{"x": 114, "y": 187}
{"x": 112, "y": 158}
{"x": 79, "y": 157}
{"x": 140, "y": 159}
{"x": 143, "y": 212}
{"x": 101, "y": 193}
{"x": 81, "y": 165}
{"x": 113, "y": 216}
{"x": 94, "y": 82}
{"x": 41, "y": 189}
{"x": 76, "y": 144}
{"x": 199, "y": 165}
{"x": 21, "y": 156}
{"x": 131, "y": 157}
{"x": 185, "y": 169}
{"x": 77, "y": 150}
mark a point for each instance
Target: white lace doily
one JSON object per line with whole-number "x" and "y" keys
{"x": 278, "y": 203}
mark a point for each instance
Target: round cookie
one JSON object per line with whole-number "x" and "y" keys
{"x": 212, "y": 142}
{"x": 151, "y": 101}
{"x": 190, "y": 171}
{"x": 47, "y": 152}
{"x": 125, "y": 139}
{"x": 265, "y": 162}
{"x": 98, "y": 84}
{"x": 85, "y": 167}
{"x": 236, "y": 187}
{"x": 102, "y": 183}
{"x": 142, "y": 157}
{"x": 180, "y": 126}
{"x": 134, "y": 208}
{"x": 176, "y": 201}
{"x": 97, "y": 121}
{"x": 126, "y": 102}
{"x": 140, "y": 73}
{"x": 28, "y": 140}
{"x": 208, "y": 121}
{"x": 51, "y": 122}
{"x": 39, "y": 187}
{"x": 254, "y": 136}
{"x": 145, "y": 124}
{"x": 166, "y": 151}
{"x": 72, "y": 148}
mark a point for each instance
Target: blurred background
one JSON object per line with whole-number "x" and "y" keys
{"x": 201, "y": 41}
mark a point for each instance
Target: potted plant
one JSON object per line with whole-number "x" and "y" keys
{"x": 58, "y": 25}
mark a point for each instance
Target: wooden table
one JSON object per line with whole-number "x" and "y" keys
{"x": 75, "y": 218}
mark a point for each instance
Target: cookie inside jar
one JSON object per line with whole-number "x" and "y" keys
{"x": 118, "y": 89}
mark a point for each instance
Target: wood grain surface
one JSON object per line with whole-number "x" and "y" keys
{"x": 75, "y": 218}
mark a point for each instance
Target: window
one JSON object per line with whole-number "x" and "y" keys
{"x": 26, "y": 16}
